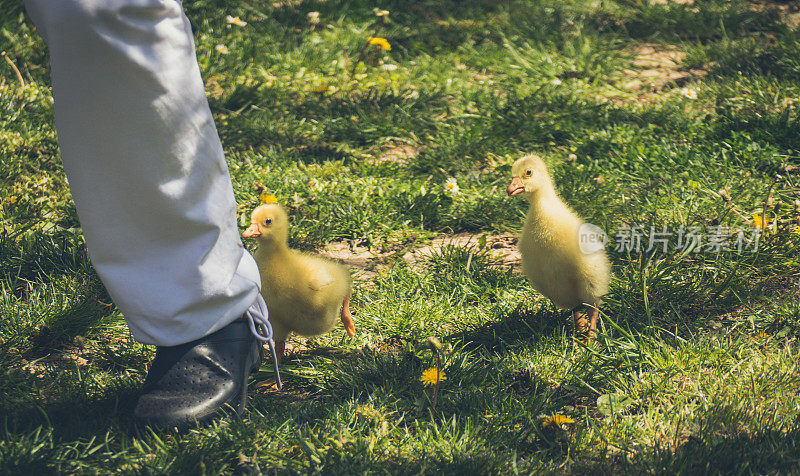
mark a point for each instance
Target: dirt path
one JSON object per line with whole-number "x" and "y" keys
{"x": 366, "y": 263}
{"x": 657, "y": 69}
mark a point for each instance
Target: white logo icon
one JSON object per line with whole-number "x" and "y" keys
{"x": 591, "y": 238}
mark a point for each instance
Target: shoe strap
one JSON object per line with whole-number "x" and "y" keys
{"x": 258, "y": 320}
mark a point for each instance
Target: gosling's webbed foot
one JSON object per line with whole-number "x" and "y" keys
{"x": 586, "y": 329}
{"x": 593, "y": 313}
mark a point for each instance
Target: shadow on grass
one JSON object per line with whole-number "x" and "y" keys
{"x": 708, "y": 452}
{"x": 361, "y": 119}
{"x": 780, "y": 128}
{"x": 364, "y": 372}
{"x": 524, "y": 325}
{"x": 760, "y": 452}
{"x": 83, "y": 318}
{"x": 74, "y": 415}
{"x": 697, "y": 21}
{"x": 37, "y": 258}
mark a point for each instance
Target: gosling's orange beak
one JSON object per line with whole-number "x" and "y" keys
{"x": 251, "y": 231}
{"x": 515, "y": 187}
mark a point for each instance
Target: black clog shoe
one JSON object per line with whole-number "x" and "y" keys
{"x": 190, "y": 383}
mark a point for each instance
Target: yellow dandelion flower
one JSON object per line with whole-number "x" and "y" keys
{"x": 267, "y": 198}
{"x": 321, "y": 88}
{"x": 431, "y": 376}
{"x": 797, "y": 230}
{"x": 761, "y": 221}
{"x": 556, "y": 420}
{"x": 376, "y": 41}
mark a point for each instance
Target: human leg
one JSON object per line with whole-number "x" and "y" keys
{"x": 145, "y": 165}
{"x": 154, "y": 196}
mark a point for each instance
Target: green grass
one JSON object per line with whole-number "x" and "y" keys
{"x": 695, "y": 369}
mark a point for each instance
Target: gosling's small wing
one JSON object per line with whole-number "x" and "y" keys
{"x": 320, "y": 275}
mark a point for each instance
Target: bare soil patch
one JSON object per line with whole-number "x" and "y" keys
{"x": 502, "y": 248}
{"x": 788, "y": 10}
{"x": 397, "y": 153}
{"x": 366, "y": 263}
{"x": 657, "y": 69}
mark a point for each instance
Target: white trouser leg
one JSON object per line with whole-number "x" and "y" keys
{"x": 145, "y": 165}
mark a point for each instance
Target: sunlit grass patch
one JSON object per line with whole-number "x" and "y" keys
{"x": 403, "y": 157}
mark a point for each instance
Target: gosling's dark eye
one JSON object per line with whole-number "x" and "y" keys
{"x": 268, "y": 221}
{"x": 528, "y": 173}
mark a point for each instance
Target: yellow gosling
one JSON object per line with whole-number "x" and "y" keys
{"x": 552, "y": 258}
{"x": 304, "y": 293}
